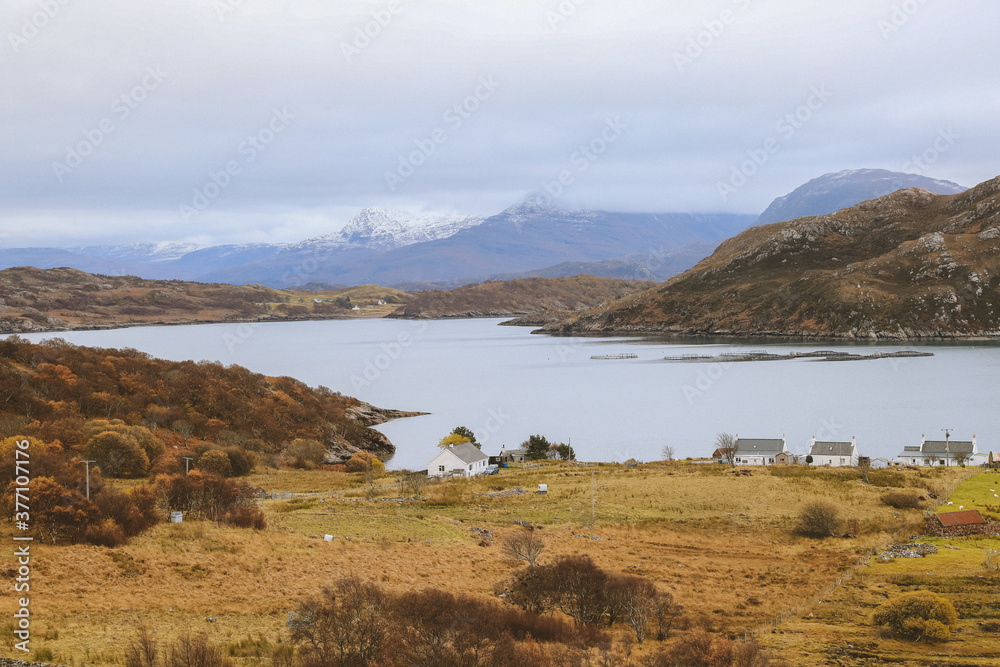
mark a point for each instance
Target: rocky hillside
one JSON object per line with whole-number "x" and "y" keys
{"x": 516, "y": 297}
{"x": 908, "y": 265}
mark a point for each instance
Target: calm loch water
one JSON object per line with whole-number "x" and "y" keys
{"x": 507, "y": 384}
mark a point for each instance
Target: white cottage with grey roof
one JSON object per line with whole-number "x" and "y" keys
{"x": 826, "y": 453}
{"x": 463, "y": 460}
{"x": 940, "y": 452}
{"x": 761, "y": 451}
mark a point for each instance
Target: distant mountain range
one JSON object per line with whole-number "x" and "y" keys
{"x": 390, "y": 247}
{"x": 527, "y": 240}
{"x": 831, "y": 192}
{"x": 911, "y": 264}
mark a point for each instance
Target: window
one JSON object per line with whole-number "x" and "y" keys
{"x": 440, "y": 468}
{"x": 470, "y": 467}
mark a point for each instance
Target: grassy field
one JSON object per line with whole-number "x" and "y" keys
{"x": 721, "y": 542}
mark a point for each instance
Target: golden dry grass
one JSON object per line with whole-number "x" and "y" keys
{"x": 839, "y": 631}
{"x": 720, "y": 542}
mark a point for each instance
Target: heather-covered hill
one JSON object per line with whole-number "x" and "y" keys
{"x": 908, "y": 265}
{"x": 51, "y": 390}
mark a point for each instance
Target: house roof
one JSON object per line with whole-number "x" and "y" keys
{"x": 832, "y": 449}
{"x": 765, "y": 446}
{"x": 953, "y": 446}
{"x": 468, "y": 452}
{"x": 961, "y": 518}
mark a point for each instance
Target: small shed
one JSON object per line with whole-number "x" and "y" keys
{"x": 950, "y": 524}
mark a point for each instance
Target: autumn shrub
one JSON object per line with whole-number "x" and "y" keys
{"x": 105, "y": 534}
{"x": 144, "y": 499}
{"x": 215, "y": 462}
{"x": 142, "y": 436}
{"x": 917, "y": 615}
{"x": 46, "y": 460}
{"x": 58, "y": 514}
{"x": 133, "y": 511}
{"x": 171, "y": 463}
{"x": 360, "y": 623}
{"x": 365, "y": 462}
{"x": 180, "y": 492}
{"x": 906, "y": 499}
{"x": 206, "y": 496}
{"x": 245, "y": 517}
{"x": 818, "y": 519}
{"x": 118, "y": 454}
{"x": 241, "y": 462}
{"x": 303, "y": 451}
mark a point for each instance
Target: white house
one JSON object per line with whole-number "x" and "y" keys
{"x": 940, "y": 453}
{"x": 464, "y": 460}
{"x": 836, "y": 454}
{"x": 761, "y": 452}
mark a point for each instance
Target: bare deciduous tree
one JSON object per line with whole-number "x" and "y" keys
{"x": 347, "y": 625}
{"x": 865, "y": 466}
{"x": 636, "y": 598}
{"x": 524, "y": 545}
{"x": 668, "y": 452}
{"x": 961, "y": 458}
{"x": 665, "y": 613}
{"x": 417, "y": 481}
{"x": 726, "y": 444}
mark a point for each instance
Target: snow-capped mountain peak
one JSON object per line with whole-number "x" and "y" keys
{"x": 383, "y": 229}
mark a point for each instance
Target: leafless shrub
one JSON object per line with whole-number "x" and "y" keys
{"x": 197, "y": 651}
{"x": 524, "y": 545}
{"x": 142, "y": 650}
{"x": 818, "y": 519}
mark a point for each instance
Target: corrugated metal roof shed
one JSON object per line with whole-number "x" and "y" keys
{"x": 960, "y": 518}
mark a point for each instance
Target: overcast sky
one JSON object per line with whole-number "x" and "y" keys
{"x": 277, "y": 120}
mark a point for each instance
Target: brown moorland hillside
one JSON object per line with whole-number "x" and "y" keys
{"x": 907, "y": 265}
{"x": 59, "y": 299}
{"x": 516, "y": 297}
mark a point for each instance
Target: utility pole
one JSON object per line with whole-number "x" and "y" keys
{"x": 947, "y": 450}
{"x": 87, "y": 463}
{"x": 187, "y": 463}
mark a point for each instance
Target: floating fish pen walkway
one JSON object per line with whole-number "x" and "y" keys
{"x": 623, "y": 355}
{"x": 819, "y": 355}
